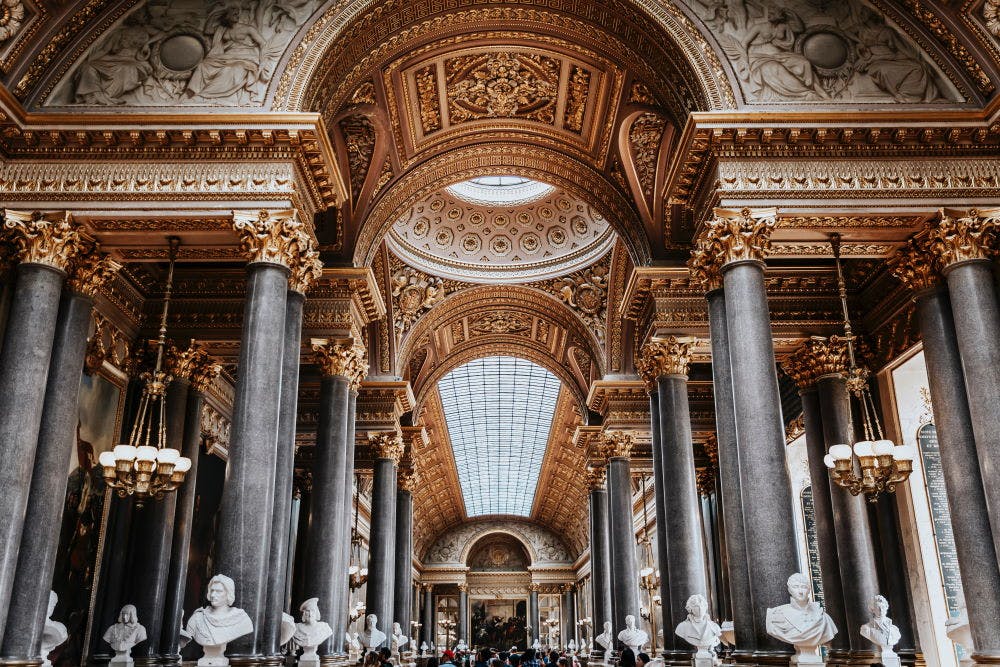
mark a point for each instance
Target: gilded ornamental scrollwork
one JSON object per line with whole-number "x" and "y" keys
{"x": 966, "y": 235}
{"x": 707, "y": 476}
{"x": 306, "y": 271}
{"x": 49, "y": 238}
{"x": 194, "y": 364}
{"x": 739, "y": 236}
{"x": 595, "y": 476}
{"x": 407, "y": 479}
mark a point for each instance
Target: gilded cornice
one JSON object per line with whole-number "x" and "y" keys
{"x": 916, "y": 265}
{"x": 363, "y": 288}
{"x": 966, "y": 235}
{"x": 816, "y": 358}
{"x": 386, "y": 446}
{"x": 90, "y": 271}
{"x": 272, "y": 237}
{"x": 623, "y": 404}
{"x": 49, "y": 238}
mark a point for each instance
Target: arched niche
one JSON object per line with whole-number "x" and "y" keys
{"x": 498, "y": 552}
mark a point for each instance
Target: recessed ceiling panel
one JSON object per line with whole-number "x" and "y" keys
{"x": 499, "y": 413}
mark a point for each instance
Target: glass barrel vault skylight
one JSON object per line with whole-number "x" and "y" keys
{"x": 499, "y": 413}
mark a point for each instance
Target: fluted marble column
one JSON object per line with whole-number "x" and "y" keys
{"x": 47, "y": 244}
{"x": 600, "y": 551}
{"x": 37, "y": 556}
{"x": 325, "y": 566}
{"x": 965, "y": 241}
{"x": 729, "y": 467}
{"x": 388, "y": 448}
{"x": 403, "y": 599}
{"x": 304, "y": 272}
{"x": 273, "y": 242}
{"x": 738, "y": 241}
{"x": 616, "y": 449}
{"x": 428, "y": 614}
{"x": 462, "y": 629}
{"x": 804, "y": 366}
{"x": 203, "y": 372}
{"x": 685, "y": 574}
{"x": 533, "y": 625}
{"x": 974, "y": 545}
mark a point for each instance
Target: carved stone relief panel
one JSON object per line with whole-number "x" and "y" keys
{"x": 544, "y": 545}
{"x": 797, "y": 50}
{"x": 184, "y": 52}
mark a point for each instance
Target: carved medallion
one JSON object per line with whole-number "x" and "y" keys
{"x": 502, "y": 85}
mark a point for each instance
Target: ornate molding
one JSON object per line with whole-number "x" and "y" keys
{"x": 50, "y": 238}
{"x": 916, "y": 265}
{"x": 966, "y": 235}
{"x": 387, "y": 445}
{"x": 414, "y": 293}
{"x": 272, "y": 237}
{"x": 704, "y": 266}
{"x": 816, "y": 358}
{"x": 614, "y": 444}
{"x": 664, "y": 356}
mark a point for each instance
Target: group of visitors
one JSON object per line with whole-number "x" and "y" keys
{"x": 529, "y": 658}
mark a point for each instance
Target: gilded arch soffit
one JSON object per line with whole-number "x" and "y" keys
{"x": 544, "y": 546}
{"x": 500, "y": 320}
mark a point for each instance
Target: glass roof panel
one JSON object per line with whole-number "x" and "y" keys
{"x": 500, "y": 190}
{"x": 499, "y": 413}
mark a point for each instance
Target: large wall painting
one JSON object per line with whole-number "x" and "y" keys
{"x": 83, "y": 511}
{"x": 499, "y": 624}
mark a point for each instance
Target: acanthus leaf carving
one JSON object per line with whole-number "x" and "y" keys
{"x": 414, "y": 293}
{"x": 502, "y": 84}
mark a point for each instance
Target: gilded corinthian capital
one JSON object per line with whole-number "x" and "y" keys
{"x": 306, "y": 271}
{"x": 90, "y": 271}
{"x": 816, "y": 358}
{"x": 664, "y": 356}
{"x": 407, "y": 478}
{"x": 962, "y": 236}
{"x": 705, "y": 267}
{"x": 344, "y": 358}
{"x": 916, "y": 265}
{"x": 738, "y": 236}
{"x": 386, "y": 445}
{"x": 44, "y": 238}
{"x": 595, "y": 477}
{"x": 616, "y": 444}
{"x": 273, "y": 237}
{"x": 193, "y": 364}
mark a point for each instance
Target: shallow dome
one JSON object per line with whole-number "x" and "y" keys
{"x": 466, "y": 238}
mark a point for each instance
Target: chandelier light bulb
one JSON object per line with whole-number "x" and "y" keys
{"x": 864, "y": 448}
{"x": 645, "y": 572}
{"x": 167, "y": 455}
{"x": 884, "y": 447}
{"x": 828, "y": 461}
{"x": 183, "y": 464}
{"x": 124, "y": 452}
{"x": 106, "y": 459}
{"x": 840, "y": 452}
{"x": 903, "y": 453}
{"x": 145, "y": 453}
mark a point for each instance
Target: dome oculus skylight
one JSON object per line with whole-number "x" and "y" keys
{"x": 500, "y": 190}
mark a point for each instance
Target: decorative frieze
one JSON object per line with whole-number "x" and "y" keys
{"x": 965, "y": 235}
{"x": 48, "y": 238}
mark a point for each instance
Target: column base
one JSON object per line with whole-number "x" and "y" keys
{"x": 21, "y": 662}
{"x": 673, "y": 658}
{"x": 849, "y": 657}
{"x": 254, "y": 661}
{"x": 991, "y": 658}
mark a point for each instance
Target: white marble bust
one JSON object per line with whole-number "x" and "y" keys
{"x": 699, "y": 630}
{"x": 399, "y": 640}
{"x": 219, "y": 623}
{"x": 802, "y": 623}
{"x": 605, "y": 639}
{"x": 125, "y": 634}
{"x": 372, "y": 637}
{"x": 881, "y": 631}
{"x": 54, "y": 633}
{"x": 311, "y": 632}
{"x": 631, "y": 636}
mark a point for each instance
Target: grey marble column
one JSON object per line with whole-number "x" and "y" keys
{"x": 152, "y": 537}
{"x": 855, "y": 552}
{"x": 802, "y": 367}
{"x": 600, "y": 552}
{"x": 344, "y": 599}
{"x": 729, "y": 476}
{"x": 284, "y": 471}
{"x": 184, "y": 514}
{"x": 462, "y": 629}
{"x": 977, "y": 327}
{"x": 382, "y": 540}
{"x": 428, "y": 616}
{"x": 244, "y": 529}
{"x": 682, "y": 526}
{"x": 56, "y": 439}
{"x": 569, "y": 614}
{"x": 768, "y": 525}
{"x": 533, "y": 625}
{"x": 24, "y": 367}
{"x": 325, "y": 570}
{"x": 293, "y": 539}
{"x": 403, "y": 599}
{"x": 624, "y": 568}
{"x": 974, "y": 544}
{"x": 662, "y": 534}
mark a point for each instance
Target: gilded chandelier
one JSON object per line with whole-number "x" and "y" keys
{"x": 883, "y": 465}
{"x": 146, "y": 467}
